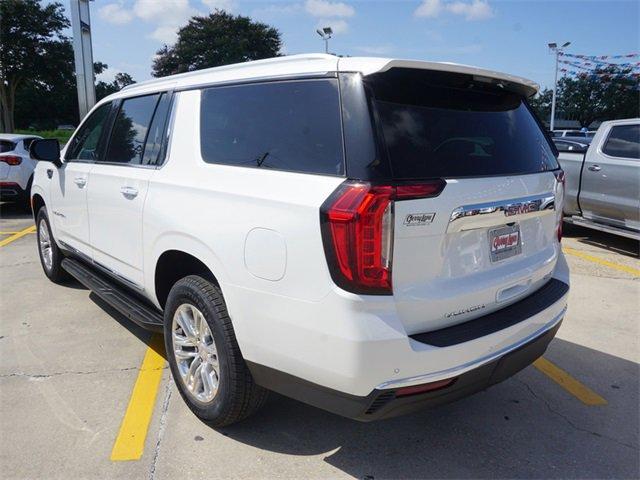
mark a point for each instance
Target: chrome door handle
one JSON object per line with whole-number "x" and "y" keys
{"x": 595, "y": 168}
{"x": 129, "y": 192}
{"x": 80, "y": 181}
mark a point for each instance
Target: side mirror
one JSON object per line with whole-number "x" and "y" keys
{"x": 47, "y": 150}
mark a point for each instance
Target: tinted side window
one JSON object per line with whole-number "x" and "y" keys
{"x": 156, "y": 136}
{"x": 129, "y": 133}
{"x": 292, "y": 126}
{"x": 84, "y": 145}
{"x": 623, "y": 142}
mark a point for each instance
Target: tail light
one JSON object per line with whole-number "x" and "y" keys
{"x": 559, "y": 201}
{"x": 357, "y": 231}
{"x": 12, "y": 160}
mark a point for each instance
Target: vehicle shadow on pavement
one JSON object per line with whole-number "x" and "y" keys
{"x": 606, "y": 241}
{"x": 140, "y": 333}
{"x": 526, "y": 427}
{"x": 14, "y": 211}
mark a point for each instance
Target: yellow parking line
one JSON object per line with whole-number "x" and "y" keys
{"x": 617, "y": 266}
{"x": 8, "y": 233}
{"x": 17, "y": 235}
{"x": 129, "y": 444}
{"x": 570, "y": 384}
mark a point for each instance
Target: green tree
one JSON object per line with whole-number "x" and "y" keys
{"x": 52, "y": 99}
{"x": 217, "y": 39}
{"x": 605, "y": 94}
{"x": 30, "y": 44}
{"x": 103, "y": 88}
{"x": 541, "y": 104}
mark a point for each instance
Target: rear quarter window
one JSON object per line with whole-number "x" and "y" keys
{"x": 293, "y": 126}
{"x": 436, "y": 124}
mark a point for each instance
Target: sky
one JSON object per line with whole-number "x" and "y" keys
{"x": 504, "y": 35}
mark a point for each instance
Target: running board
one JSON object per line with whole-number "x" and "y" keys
{"x": 116, "y": 296}
{"x": 583, "y": 222}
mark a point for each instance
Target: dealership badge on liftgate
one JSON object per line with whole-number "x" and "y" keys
{"x": 419, "y": 219}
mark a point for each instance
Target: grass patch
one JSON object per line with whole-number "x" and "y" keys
{"x": 62, "y": 135}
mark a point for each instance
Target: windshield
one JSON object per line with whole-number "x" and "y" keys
{"x": 437, "y": 124}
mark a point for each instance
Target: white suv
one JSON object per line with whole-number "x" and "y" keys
{"x": 16, "y": 167}
{"x": 368, "y": 236}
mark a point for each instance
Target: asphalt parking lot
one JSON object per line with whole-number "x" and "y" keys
{"x": 85, "y": 394}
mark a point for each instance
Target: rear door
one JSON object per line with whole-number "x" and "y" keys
{"x": 119, "y": 184}
{"x": 69, "y": 183}
{"x": 610, "y": 191}
{"x": 490, "y": 237}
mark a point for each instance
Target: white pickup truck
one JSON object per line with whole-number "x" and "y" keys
{"x": 603, "y": 180}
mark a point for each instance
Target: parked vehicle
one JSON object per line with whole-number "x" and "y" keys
{"x": 569, "y": 144}
{"x": 573, "y": 133}
{"x": 603, "y": 179}
{"x": 369, "y": 236}
{"x": 16, "y": 167}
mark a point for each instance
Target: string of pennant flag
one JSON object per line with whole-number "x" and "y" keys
{"x": 601, "y": 74}
{"x": 605, "y": 69}
{"x": 599, "y": 57}
{"x": 590, "y": 65}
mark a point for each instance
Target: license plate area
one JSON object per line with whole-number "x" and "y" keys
{"x": 504, "y": 242}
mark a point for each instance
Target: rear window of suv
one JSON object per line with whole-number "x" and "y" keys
{"x": 438, "y": 124}
{"x": 6, "y": 146}
{"x": 292, "y": 125}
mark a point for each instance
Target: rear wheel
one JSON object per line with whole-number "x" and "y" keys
{"x": 204, "y": 356}
{"x": 50, "y": 255}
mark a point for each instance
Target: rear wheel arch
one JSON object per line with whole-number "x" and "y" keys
{"x": 173, "y": 265}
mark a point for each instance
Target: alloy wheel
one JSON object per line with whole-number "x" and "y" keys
{"x": 195, "y": 353}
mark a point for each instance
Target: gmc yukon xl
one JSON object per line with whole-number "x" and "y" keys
{"x": 366, "y": 235}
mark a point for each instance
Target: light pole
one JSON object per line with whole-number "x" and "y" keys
{"x": 83, "y": 55}
{"x": 554, "y": 48}
{"x": 325, "y": 33}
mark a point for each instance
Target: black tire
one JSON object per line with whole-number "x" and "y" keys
{"x": 55, "y": 273}
{"x": 237, "y": 396}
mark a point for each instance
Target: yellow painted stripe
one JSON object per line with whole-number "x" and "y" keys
{"x": 8, "y": 233}
{"x": 601, "y": 261}
{"x": 570, "y": 384}
{"x": 129, "y": 444}
{"x": 17, "y": 235}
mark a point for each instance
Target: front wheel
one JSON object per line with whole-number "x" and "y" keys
{"x": 204, "y": 356}
{"x": 50, "y": 255}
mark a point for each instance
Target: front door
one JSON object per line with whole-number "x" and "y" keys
{"x": 70, "y": 182}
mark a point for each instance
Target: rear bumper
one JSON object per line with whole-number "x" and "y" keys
{"x": 11, "y": 191}
{"x": 385, "y": 403}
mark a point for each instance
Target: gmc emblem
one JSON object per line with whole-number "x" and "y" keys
{"x": 520, "y": 208}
